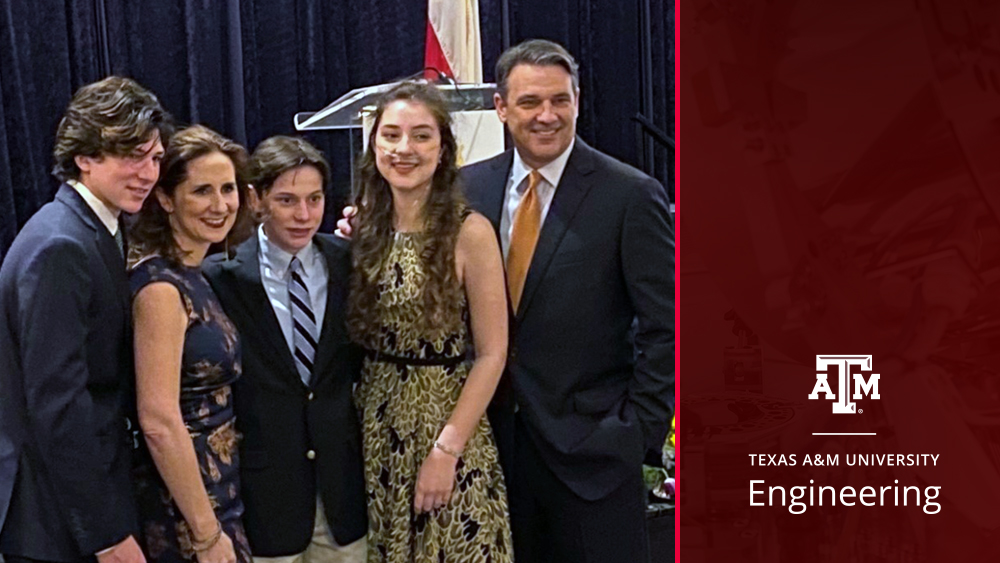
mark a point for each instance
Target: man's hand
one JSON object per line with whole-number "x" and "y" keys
{"x": 125, "y": 552}
{"x": 344, "y": 227}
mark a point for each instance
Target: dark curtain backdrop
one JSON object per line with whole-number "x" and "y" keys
{"x": 245, "y": 67}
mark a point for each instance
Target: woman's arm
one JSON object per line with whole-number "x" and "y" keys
{"x": 478, "y": 256}
{"x": 160, "y": 325}
{"x": 480, "y": 266}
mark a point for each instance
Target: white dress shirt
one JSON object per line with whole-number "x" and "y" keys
{"x": 275, "y": 275}
{"x": 517, "y": 184}
{"x": 109, "y": 219}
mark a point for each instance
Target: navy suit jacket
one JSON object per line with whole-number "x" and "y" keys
{"x": 282, "y": 419}
{"x": 65, "y": 383}
{"x": 591, "y": 356}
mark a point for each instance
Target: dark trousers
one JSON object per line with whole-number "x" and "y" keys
{"x": 551, "y": 524}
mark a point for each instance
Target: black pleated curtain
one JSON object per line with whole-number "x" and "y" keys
{"x": 245, "y": 67}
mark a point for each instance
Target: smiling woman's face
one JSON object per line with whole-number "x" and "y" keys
{"x": 407, "y": 145}
{"x": 203, "y": 207}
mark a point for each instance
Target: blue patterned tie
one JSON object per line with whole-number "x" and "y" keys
{"x": 303, "y": 321}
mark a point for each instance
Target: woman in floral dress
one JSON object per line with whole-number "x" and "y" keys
{"x": 188, "y": 356}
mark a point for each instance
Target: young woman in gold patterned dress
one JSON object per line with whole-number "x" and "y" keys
{"x": 428, "y": 287}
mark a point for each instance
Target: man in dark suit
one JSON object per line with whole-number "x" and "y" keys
{"x": 65, "y": 346}
{"x": 301, "y": 467}
{"x": 588, "y": 244}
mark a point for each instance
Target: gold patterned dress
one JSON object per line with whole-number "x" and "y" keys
{"x": 409, "y": 386}
{"x": 209, "y": 366}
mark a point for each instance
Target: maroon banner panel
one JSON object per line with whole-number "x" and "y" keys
{"x": 838, "y": 218}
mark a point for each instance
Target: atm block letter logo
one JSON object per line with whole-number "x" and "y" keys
{"x": 845, "y": 401}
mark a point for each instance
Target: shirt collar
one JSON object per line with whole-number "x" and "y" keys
{"x": 551, "y": 172}
{"x": 278, "y": 259}
{"x": 109, "y": 219}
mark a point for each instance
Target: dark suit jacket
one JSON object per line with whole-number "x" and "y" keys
{"x": 595, "y": 390}
{"x": 65, "y": 383}
{"x": 282, "y": 419}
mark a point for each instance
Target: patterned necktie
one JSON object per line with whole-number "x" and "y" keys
{"x": 523, "y": 238}
{"x": 303, "y": 321}
{"x": 120, "y": 241}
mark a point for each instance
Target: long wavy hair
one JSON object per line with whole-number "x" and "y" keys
{"x": 375, "y": 226}
{"x": 151, "y": 232}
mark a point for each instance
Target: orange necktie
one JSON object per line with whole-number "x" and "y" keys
{"x": 523, "y": 238}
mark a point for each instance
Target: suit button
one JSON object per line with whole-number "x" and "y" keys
{"x": 311, "y": 454}
{"x": 311, "y": 396}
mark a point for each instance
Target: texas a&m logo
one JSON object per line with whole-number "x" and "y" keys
{"x": 845, "y": 401}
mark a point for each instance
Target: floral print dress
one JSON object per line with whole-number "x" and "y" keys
{"x": 409, "y": 386}
{"x": 209, "y": 366}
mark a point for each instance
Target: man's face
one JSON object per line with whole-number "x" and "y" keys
{"x": 540, "y": 111}
{"x": 293, "y": 208}
{"x": 123, "y": 182}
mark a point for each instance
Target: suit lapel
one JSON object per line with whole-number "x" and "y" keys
{"x": 103, "y": 240}
{"x": 332, "y": 330}
{"x": 570, "y": 192}
{"x": 250, "y": 288}
{"x": 492, "y": 195}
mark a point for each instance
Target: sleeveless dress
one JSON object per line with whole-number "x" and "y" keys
{"x": 409, "y": 386}
{"x": 210, "y": 364}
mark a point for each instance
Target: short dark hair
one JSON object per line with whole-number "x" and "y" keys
{"x": 109, "y": 117}
{"x": 276, "y": 155}
{"x": 151, "y": 230}
{"x": 538, "y": 52}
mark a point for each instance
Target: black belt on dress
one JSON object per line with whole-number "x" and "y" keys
{"x": 378, "y": 356}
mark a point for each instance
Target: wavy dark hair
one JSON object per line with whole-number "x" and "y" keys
{"x": 442, "y": 214}
{"x": 276, "y": 155}
{"x": 151, "y": 232}
{"x": 109, "y": 117}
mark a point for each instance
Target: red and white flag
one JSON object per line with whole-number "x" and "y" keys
{"x": 453, "y": 43}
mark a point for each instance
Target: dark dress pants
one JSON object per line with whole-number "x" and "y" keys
{"x": 551, "y": 524}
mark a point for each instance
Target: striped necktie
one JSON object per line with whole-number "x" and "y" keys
{"x": 304, "y": 327}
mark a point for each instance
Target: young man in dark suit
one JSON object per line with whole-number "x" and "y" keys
{"x": 588, "y": 244}
{"x": 65, "y": 346}
{"x": 301, "y": 469}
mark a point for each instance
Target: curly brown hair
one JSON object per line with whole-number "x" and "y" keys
{"x": 151, "y": 232}
{"x": 109, "y": 117}
{"x": 442, "y": 213}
